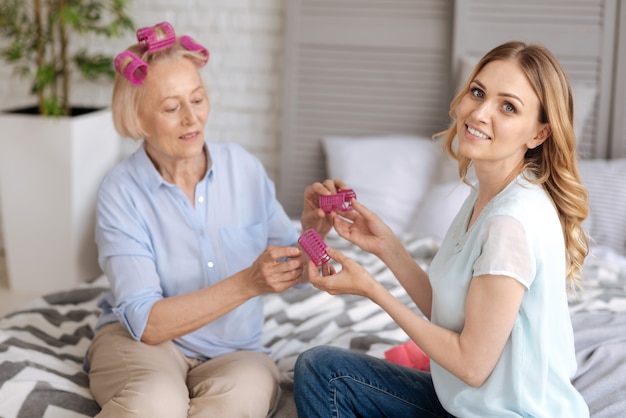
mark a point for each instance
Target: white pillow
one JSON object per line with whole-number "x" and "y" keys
{"x": 584, "y": 94}
{"x": 438, "y": 209}
{"x": 584, "y": 100}
{"x": 389, "y": 174}
{"x": 605, "y": 181}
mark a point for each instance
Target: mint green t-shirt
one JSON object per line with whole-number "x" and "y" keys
{"x": 518, "y": 234}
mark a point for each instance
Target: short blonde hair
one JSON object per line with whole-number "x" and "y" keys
{"x": 127, "y": 96}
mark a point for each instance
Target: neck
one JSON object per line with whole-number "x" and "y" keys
{"x": 184, "y": 172}
{"x": 492, "y": 182}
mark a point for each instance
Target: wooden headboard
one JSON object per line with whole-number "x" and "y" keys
{"x": 368, "y": 67}
{"x": 618, "y": 126}
{"x": 356, "y": 68}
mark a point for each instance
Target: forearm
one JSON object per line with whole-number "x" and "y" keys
{"x": 442, "y": 345}
{"x": 472, "y": 353}
{"x": 176, "y": 316}
{"x": 410, "y": 275}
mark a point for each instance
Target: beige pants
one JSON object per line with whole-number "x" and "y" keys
{"x": 133, "y": 379}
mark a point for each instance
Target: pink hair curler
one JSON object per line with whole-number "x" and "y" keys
{"x": 314, "y": 246}
{"x": 340, "y": 202}
{"x": 148, "y": 38}
{"x": 191, "y": 45}
{"x": 131, "y": 66}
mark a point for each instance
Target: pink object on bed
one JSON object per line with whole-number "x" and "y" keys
{"x": 409, "y": 355}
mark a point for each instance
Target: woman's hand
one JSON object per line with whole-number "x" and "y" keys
{"x": 353, "y": 279}
{"x": 364, "y": 228}
{"x": 312, "y": 215}
{"x": 276, "y": 269}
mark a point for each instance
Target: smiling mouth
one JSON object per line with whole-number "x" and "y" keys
{"x": 476, "y": 133}
{"x": 189, "y": 136}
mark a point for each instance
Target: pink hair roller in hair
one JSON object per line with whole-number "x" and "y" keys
{"x": 147, "y": 37}
{"x": 340, "y": 202}
{"x": 191, "y": 45}
{"x": 314, "y": 246}
{"x": 131, "y": 66}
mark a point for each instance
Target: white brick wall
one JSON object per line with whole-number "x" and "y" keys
{"x": 245, "y": 39}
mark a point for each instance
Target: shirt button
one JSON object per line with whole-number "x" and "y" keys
{"x": 210, "y": 264}
{"x": 201, "y": 199}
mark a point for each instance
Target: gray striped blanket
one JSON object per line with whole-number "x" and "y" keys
{"x": 42, "y": 345}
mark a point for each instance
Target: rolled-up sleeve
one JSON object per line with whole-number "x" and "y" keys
{"x": 135, "y": 288}
{"x": 126, "y": 259}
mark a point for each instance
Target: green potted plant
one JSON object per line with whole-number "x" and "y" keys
{"x": 37, "y": 35}
{"x": 54, "y": 155}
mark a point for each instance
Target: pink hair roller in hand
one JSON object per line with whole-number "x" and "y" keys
{"x": 131, "y": 66}
{"x": 340, "y": 202}
{"x": 149, "y": 40}
{"x": 314, "y": 246}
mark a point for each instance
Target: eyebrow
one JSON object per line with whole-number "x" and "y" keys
{"x": 512, "y": 96}
{"x": 200, "y": 87}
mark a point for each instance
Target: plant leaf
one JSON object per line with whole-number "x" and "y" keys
{"x": 94, "y": 66}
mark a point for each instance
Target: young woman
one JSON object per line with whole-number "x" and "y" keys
{"x": 497, "y": 326}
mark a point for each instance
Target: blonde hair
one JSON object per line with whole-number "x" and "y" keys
{"x": 127, "y": 96}
{"x": 554, "y": 162}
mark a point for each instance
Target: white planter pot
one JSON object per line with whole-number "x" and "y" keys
{"x": 50, "y": 171}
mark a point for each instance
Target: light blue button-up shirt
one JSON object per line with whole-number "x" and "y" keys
{"x": 153, "y": 243}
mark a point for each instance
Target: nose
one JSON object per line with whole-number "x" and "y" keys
{"x": 482, "y": 111}
{"x": 189, "y": 116}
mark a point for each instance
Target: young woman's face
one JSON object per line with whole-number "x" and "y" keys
{"x": 174, "y": 110}
{"x": 498, "y": 118}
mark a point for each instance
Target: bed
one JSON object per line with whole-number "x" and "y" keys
{"x": 42, "y": 344}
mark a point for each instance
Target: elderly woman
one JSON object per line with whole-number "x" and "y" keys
{"x": 190, "y": 235}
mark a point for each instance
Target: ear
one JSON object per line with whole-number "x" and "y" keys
{"x": 542, "y": 134}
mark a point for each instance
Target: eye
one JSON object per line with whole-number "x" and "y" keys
{"x": 509, "y": 108}
{"x": 476, "y": 92}
{"x": 198, "y": 100}
{"x": 171, "y": 108}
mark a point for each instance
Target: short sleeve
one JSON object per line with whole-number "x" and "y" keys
{"x": 505, "y": 251}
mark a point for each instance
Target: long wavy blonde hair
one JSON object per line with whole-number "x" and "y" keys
{"x": 554, "y": 162}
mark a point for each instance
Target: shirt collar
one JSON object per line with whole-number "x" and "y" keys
{"x": 151, "y": 176}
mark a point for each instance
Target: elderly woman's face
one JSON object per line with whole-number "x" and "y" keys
{"x": 174, "y": 110}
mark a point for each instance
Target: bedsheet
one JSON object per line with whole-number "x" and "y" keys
{"x": 599, "y": 322}
{"x": 42, "y": 345}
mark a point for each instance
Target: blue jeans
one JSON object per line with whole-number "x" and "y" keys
{"x": 333, "y": 382}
